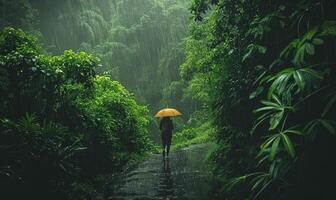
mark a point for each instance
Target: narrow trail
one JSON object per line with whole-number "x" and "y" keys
{"x": 180, "y": 177}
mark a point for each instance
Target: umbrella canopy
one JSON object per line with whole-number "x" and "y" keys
{"x": 168, "y": 112}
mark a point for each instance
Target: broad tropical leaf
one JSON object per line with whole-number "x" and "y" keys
{"x": 240, "y": 179}
{"x": 274, "y": 148}
{"x": 274, "y": 110}
{"x": 312, "y": 126}
{"x": 302, "y": 80}
{"x": 277, "y": 142}
{"x": 329, "y": 125}
{"x": 288, "y": 144}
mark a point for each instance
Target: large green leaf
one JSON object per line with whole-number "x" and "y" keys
{"x": 288, "y": 145}
{"x": 276, "y": 119}
{"x": 293, "y": 130}
{"x": 313, "y": 125}
{"x": 260, "y": 120}
{"x": 273, "y": 110}
{"x": 278, "y": 142}
{"x": 304, "y": 47}
{"x": 274, "y": 148}
{"x": 329, "y": 125}
{"x": 268, "y": 142}
{"x": 290, "y": 78}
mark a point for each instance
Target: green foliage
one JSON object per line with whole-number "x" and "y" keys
{"x": 273, "y": 110}
{"x": 18, "y": 13}
{"x": 61, "y": 125}
{"x": 139, "y": 43}
{"x": 200, "y": 132}
{"x": 77, "y": 67}
{"x": 292, "y": 80}
{"x": 35, "y": 154}
{"x": 270, "y": 72}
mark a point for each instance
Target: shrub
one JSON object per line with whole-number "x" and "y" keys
{"x": 61, "y": 125}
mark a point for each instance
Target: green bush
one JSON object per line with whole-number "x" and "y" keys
{"x": 110, "y": 122}
{"x": 37, "y": 157}
{"x": 61, "y": 125}
{"x": 198, "y": 130}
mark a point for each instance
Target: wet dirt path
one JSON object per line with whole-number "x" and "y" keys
{"x": 183, "y": 176}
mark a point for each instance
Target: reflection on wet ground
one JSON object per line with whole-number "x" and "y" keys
{"x": 180, "y": 177}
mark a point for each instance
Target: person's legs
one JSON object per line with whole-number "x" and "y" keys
{"x": 164, "y": 143}
{"x": 168, "y": 148}
{"x": 169, "y": 138}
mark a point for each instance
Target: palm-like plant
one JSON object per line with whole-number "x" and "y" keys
{"x": 274, "y": 110}
{"x": 288, "y": 92}
{"x": 32, "y": 142}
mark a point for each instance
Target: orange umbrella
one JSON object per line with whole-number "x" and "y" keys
{"x": 168, "y": 112}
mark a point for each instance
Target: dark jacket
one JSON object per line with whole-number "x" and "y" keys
{"x": 166, "y": 125}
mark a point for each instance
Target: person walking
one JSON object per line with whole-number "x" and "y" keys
{"x": 166, "y": 127}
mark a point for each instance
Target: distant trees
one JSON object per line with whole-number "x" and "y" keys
{"x": 140, "y": 43}
{"x": 18, "y": 14}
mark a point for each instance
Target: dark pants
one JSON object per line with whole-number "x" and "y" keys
{"x": 166, "y": 139}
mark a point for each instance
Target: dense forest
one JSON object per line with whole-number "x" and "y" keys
{"x": 81, "y": 80}
{"x": 140, "y": 43}
{"x": 267, "y": 72}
